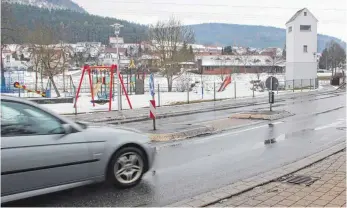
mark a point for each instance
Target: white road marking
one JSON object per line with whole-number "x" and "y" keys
{"x": 328, "y": 125}
{"x": 234, "y": 132}
{"x": 202, "y": 140}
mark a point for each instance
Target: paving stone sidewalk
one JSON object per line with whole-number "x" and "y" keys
{"x": 328, "y": 191}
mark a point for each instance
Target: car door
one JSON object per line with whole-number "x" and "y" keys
{"x": 35, "y": 152}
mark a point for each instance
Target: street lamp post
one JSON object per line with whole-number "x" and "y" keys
{"x": 117, "y": 27}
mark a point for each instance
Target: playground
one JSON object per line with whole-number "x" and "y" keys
{"x": 212, "y": 88}
{"x": 104, "y": 96}
{"x": 96, "y": 93}
{"x": 23, "y": 84}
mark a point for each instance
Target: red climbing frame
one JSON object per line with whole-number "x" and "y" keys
{"x": 112, "y": 69}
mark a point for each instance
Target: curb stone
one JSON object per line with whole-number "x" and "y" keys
{"x": 245, "y": 102}
{"x": 182, "y": 135}
{"x": 173, "y": 144}
{"x": 260, "y": 116}
{"x": 245, "y": 185}
{"x": 200, "y": 131}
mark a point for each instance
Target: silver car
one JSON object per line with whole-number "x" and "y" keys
{"x": 42, "y": 152}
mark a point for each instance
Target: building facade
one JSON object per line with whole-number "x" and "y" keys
{"x": 228, "y": 64}
{"x": 301, "y": 50}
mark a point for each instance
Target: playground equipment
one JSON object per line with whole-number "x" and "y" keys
{"x": 103, "y": 97}
{"x": 18, "y": 85}
{"x": 101, "y": 78}
{"x": 225, "y": 83}
{"x": 10, "y": 77}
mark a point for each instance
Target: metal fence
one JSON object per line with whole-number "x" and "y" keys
{"x": 180, "y": 93}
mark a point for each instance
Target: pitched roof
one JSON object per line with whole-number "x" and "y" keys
{"x": 298, "y": 13}
{"x": 295, "y": 15}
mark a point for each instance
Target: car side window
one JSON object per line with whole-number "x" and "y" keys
{"x": 19, "y": 119}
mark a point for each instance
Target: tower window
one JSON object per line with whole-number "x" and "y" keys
{"x": 305, "y": 13}
{"x": 305, "y": 48}
{"x": 305, "y": 27}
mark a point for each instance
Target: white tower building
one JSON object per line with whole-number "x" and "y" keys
{"x": 301, "y": 50}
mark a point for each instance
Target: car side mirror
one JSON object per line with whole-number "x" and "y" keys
{"x": 67, "y": 128}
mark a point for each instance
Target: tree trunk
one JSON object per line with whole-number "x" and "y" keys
{"x": 54, "y": 86}
{"x": 169, "y": 83}
{"x": 36, "y": 77}
{"x": 41, "y": 77}
{"x": 64, "y": 90}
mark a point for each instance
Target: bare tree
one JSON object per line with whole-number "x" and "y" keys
{"x": 35, "y": 59}
{"x": 336, "y": 54}
{"x": 240, "y": 60}
{"x": 258, "y": 72}
{"x": 245, "y": 59}
{"x": 8, "y": 33}
{"x": 38, "y": 39}
{"x": 34, "y": 38}
{"x": 182, "y": 83}
{"x": 52, "y": 55}
{"x": 273, "y": 62}
{"x": 54, "y": 60}
{"x": 167, "y": 37}
{"x": 221, "y": 60}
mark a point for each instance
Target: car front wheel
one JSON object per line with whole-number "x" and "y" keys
{"x": 127, "y": 167}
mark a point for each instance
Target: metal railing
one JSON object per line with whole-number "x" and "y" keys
{"x": 182, "y": 93}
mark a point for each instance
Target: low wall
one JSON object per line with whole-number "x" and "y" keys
{"x": 51, "y": 100}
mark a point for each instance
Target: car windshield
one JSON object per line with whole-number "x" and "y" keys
{"x": 22, "y": 119}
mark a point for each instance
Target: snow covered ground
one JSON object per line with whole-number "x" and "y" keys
{"x": 240, "y": 84}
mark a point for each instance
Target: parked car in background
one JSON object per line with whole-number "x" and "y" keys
{"x": 42, "y": 152}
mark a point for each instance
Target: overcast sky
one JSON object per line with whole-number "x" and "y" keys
{"x": 331, "y": 14}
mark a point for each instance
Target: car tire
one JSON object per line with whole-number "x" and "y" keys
{"x": 126, "y": 167}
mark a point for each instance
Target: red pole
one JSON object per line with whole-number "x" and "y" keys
{"x": 113, "y": 67}
{"x": 91, "y": 85}
{"x": 125, "y": 91}
{"x": 79, "y": 85}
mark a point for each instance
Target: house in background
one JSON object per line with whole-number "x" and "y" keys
{"x": 12, "y": 55}
{"x": 109, "y": 57}
{"x": 301, "y": 50}
{"x": 227, "y": 64}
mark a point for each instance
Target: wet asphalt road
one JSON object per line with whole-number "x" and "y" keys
{"x": 188, "y": 168}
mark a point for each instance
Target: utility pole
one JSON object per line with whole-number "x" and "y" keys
{"x": 117, "y": 27}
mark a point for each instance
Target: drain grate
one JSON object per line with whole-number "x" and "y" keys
{"x": 341, "y": 128}
{"x": 299, "y": 179}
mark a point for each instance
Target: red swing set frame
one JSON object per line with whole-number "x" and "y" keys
{"x": 113, "y": 69}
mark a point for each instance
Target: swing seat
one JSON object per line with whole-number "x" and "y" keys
{"x": 104, "y": 96}
{"x": 100, "y": 102}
